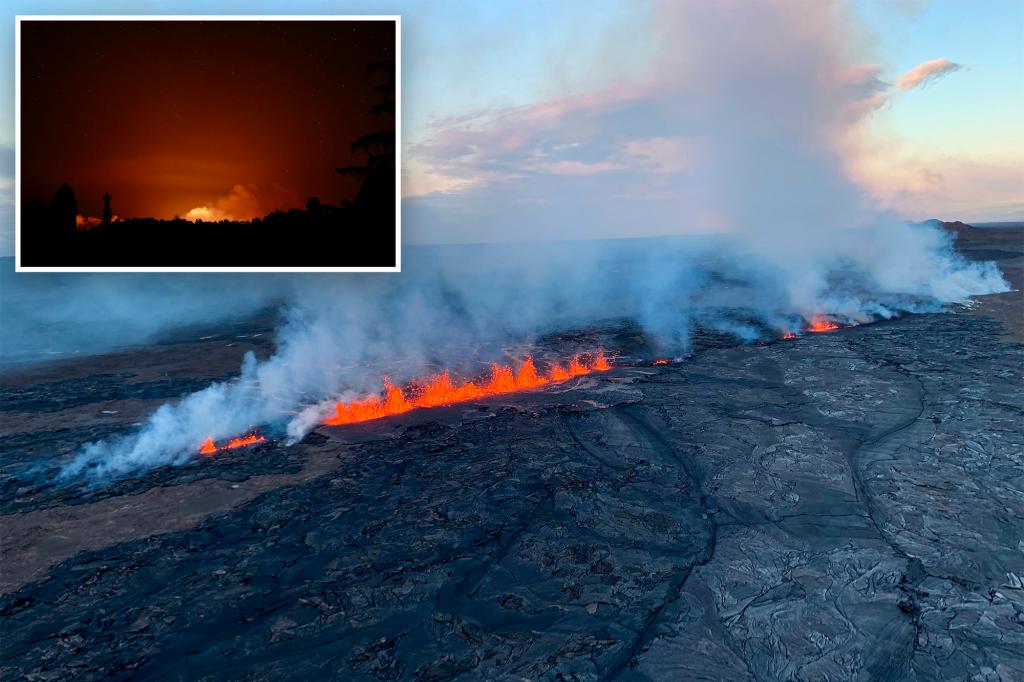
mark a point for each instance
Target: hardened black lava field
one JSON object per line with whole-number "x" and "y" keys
{"x": 844, "y": 505}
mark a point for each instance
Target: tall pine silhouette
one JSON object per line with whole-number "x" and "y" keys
{"x": 376, "y": 177}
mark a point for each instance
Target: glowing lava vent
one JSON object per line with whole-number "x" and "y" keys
{"x": 441, "y": 390}
{"x": 211, "y": 448}
{"x": 821, "y": 324}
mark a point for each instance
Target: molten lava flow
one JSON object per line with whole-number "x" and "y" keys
{"x": 441, "y": 390}
{"x": 661, "y": 361}
{"x": 821, "y": 324}
{"x": 789, "y": 335}
{"x": 210, "y": 448}
{"x": 251, "y": 439}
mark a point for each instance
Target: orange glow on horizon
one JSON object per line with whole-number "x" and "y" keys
{"x": 166, "y": 136}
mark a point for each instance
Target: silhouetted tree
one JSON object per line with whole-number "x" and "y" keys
{"x": 64, "y": 210}
{"x": 313, "y": 206}
{"x": 377, "y": 176}
{"x": 107, "y": 213}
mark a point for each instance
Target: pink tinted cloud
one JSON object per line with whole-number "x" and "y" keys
{"x": 926, "y": 72}
{"x": 725, "y": 129}
{"x": 657, "y": 124}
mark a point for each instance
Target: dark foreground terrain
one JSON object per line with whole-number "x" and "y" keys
{"x": 847, "y": 505}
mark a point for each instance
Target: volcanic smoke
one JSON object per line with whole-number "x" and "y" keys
{"x": 767, "y": 125}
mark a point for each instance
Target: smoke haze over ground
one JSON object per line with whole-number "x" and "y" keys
{"x": 51, "y": 316}
{"x": 740, "y": 131}
{"x": 461, "y": 306}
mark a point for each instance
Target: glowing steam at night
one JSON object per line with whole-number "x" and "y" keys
{"x": 243, "y": 202}
{"x": 207, "y": 214}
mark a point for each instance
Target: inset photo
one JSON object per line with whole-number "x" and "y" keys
{"x": 234, "y": 144}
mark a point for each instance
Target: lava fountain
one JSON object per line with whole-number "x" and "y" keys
{"x": 440, "y": 389}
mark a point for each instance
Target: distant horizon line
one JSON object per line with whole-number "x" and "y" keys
{"x": 995, "y": 224}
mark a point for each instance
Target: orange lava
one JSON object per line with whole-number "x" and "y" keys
{"x": 210, "y": 448}
{"x": 661, "y": 361}
{"x": 441, "y": 390}
{"x": 821, "y": 324}
{"x": 251, "y": 439}
{"x": 789, "y": 335}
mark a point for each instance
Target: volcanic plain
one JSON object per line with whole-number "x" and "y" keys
{"x": 844, "y": 505}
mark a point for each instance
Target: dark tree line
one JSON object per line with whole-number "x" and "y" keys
{"x": 377, "y": 174}
{"x": 355, "y": 232}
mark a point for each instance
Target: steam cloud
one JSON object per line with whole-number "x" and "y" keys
{"x": 244, "y": 202}
{"x": 755, "y": 99}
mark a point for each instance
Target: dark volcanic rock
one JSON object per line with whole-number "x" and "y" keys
{"x": 870, "y": 503}
{"x": 34, "y": 490}
{"x": 841, "y": 506}
{"x": 60, "y": 395}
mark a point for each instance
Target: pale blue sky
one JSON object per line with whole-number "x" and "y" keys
{"x": 979, "y": 109}
{"x": 461, "y": 57}
{"x": 458, "y": 56}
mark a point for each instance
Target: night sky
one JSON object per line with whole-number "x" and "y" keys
{"x": 168, "y": 116}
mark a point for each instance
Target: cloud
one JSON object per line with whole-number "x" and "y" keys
{"x": 708, "y": 138}
{"x": 573, "y": 167}
{"x": 660, "y": 154}
{"x": 921, "y": 182}
{"x": 418, "y": 180}
{"x": 712, "y": 135}
{"x": 560, "y": 136}
{"x": 926, "y": 72}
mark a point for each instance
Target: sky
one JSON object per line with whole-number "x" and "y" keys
{"x": 167, "y": 116}
{"x": 522, "y": 118}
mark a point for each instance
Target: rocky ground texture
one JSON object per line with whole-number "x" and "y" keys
{"x": 846, "y": 505}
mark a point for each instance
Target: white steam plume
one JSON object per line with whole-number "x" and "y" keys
{"x": 763, "y": 92}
